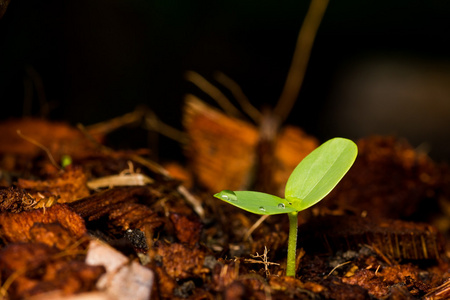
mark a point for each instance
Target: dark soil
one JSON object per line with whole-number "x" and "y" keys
{"x": 381, "y": 234}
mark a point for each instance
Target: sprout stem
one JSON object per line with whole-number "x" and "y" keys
{"x": 292, "y": 244}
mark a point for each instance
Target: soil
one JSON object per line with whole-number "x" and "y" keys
{"x": 383, "y": 233}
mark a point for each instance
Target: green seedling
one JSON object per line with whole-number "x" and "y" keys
{"x": 66, "y": 160}
{"x": 314, "y": 177}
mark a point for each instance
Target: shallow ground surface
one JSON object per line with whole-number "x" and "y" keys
{"x": 381, "y": 234}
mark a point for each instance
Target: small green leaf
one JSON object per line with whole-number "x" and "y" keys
{"x": 256, "y": 202}
{"x": 66, "y": 160}
{"x": 319, "y": 172}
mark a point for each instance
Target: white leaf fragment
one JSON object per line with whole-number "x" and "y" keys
{"x": 135, "y": 179}
{"x": 122, "y": 280}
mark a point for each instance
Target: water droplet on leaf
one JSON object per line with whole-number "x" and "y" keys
{"x": 281, "y": 206}
{"x": 261, "y": 208}
{"x": 227, "y": 195}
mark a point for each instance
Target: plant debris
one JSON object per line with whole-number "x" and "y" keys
{"x": 378, "y": 235}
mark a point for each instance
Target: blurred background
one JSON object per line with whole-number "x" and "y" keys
{"x": 377, "y": 67}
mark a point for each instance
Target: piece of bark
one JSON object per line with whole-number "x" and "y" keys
{"x": 58, "y": 295}
{"x": 165, "y": 285}
{"x": 135, "y": 216}
{"x": 52, "y": 234}
{"x": 15, "y": 200}
{"x": 220, "y": 144}
{"x": 224, "y": 273}
{"x": 393, "y": 238}
{"x": 381, "y": 284}
{"x": 187, "y": 229}
{"x": 120, "y": 206}
{"x": 67, "y": 186}
{"x": 63, "y": 140}
{"x": 180, "y": 261}
{"x": 16, "y": 227}
{"x": 102, "y": 203}
{"x": 389, "y": 179}
{"x": 39, "y": 268}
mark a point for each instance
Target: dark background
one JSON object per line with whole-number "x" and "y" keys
{"x": 376, "y": 67}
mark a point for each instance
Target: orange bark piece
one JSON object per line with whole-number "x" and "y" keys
{"x": 40, "y": 269}
{"x": 16, "y": 227}
{"x": 369, "y": 281}
{"x": 52, "y": 234}
{"x": 391, "y": 178}
{"x": 135, "y": 215}
{"x": 292, "y": 146}
{"x": 181, "y": 262}
{"x": 60, "y": 138}
{"x": 180, "y": 173}
{"x": 223, "y": 150}
{"x": 69, "y": 186}
{"x": 187, "y": 229}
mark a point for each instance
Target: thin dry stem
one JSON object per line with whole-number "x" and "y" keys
{"x": 9, "y": 281}
{"x": 152, "y": 122}
{"x": 36, "y": 143}
{"x": 106, "y": 127}
{"x": 386, "y": 258}
{"x": 263, "y": 260}
{"x": 300, "y": 59}
{"x": 213, "y": 92}
{"x": 256, "y": 225}
{"x": 239, "y": 95}
{"x": 440, "y": 292}
{"x": 338, "y": 266}
{"x": 300, "y": 253}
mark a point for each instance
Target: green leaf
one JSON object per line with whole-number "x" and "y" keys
{"x": 66, "y": 160}
{"x": 319, "y": 172}
{"x": 256, "y": 202}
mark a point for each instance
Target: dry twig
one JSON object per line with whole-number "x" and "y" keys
{"x": 263, "y": 260}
